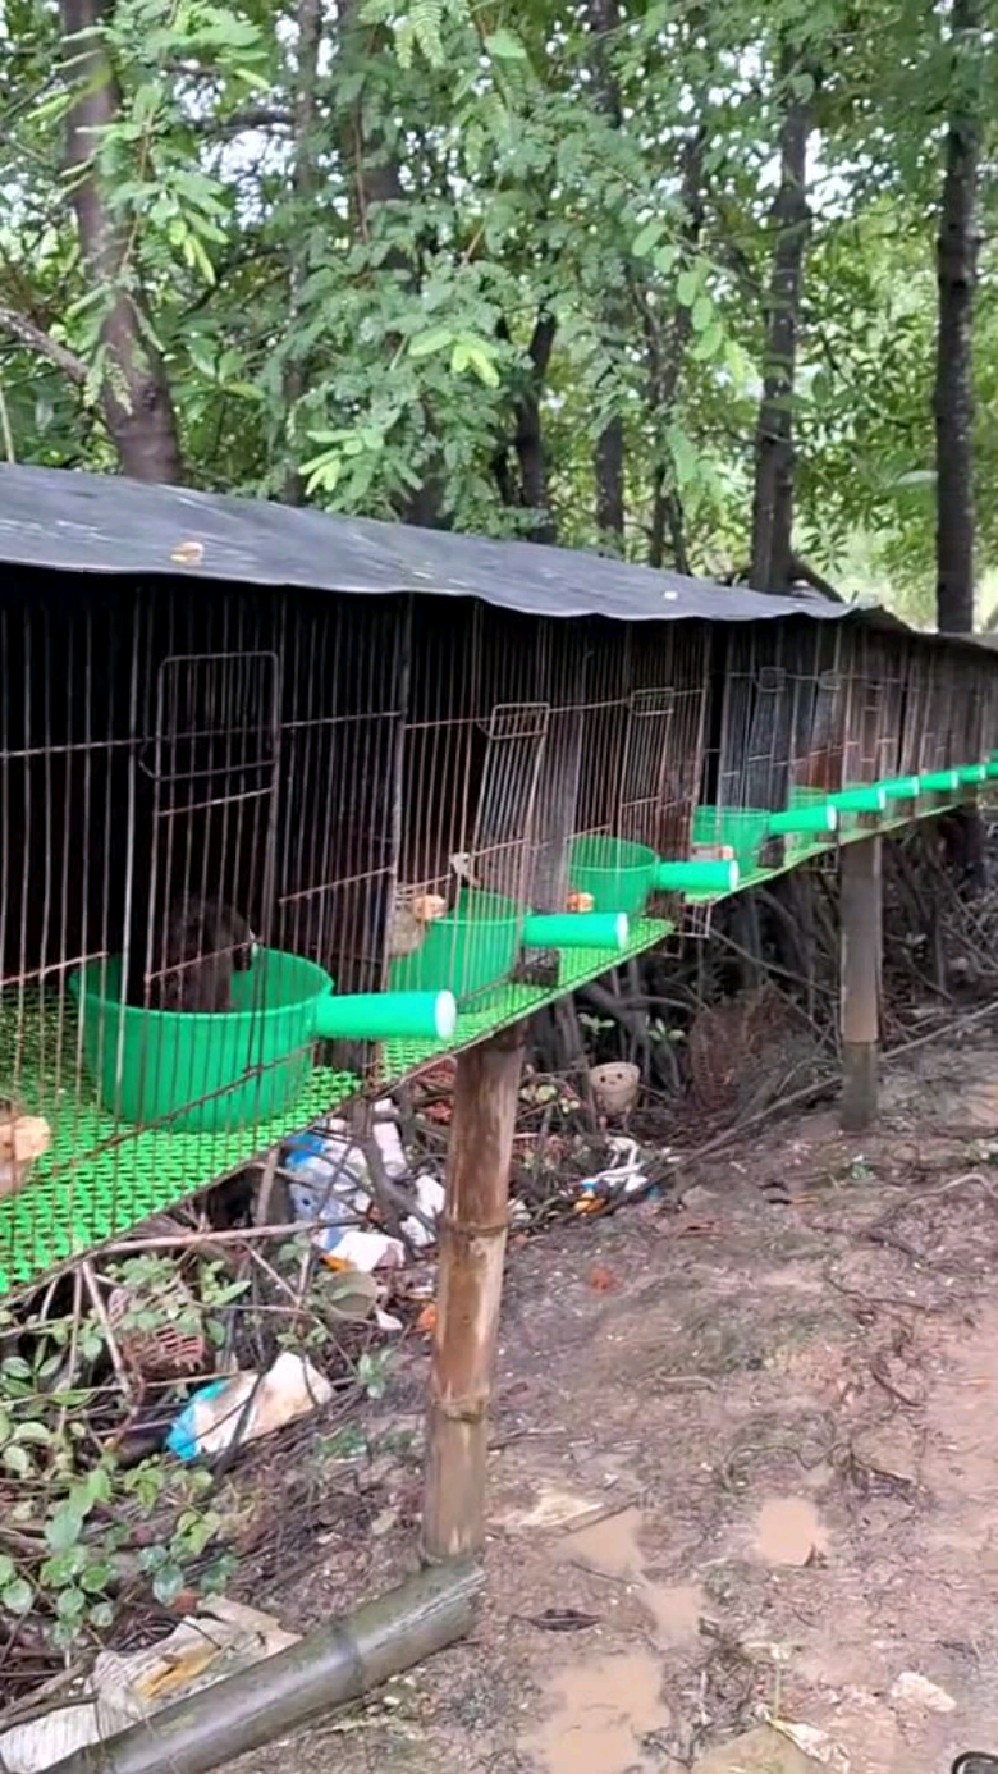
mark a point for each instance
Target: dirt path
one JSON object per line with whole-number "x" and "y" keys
{"x": 745, "y": 1466}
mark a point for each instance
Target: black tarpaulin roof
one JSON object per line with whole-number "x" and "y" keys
{"x": 89, "y": 523}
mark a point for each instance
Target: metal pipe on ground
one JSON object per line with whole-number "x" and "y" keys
{"x": 333, "y": 1665}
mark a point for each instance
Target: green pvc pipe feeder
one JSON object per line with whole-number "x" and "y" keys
{"x": 866, "y": 798}
{"x": 619, "y": 876}
{"x": 991, "y": 769}
{"x": 940, "y": 782}
{"x": 218, "y": 1071}
{"x": 698, "y": 878}
{"x": 972, "y": 774}
{"x": 901, "y": 788}
{"x": 576, "y": 930}
{"x": 809, "y": 819}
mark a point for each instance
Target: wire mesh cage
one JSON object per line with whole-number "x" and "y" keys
{"x": 875, "y": 694}
{"x": 473, "y": 746}
{"x": 190, "y": 792}
{"x": 776, "y": 751}
{"x": 646, "y": 694}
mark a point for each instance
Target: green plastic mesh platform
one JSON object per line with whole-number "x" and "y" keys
{"x": 100, "y": 1179}
{"x": 512, "y": 1002}
{"x": 79, "y": 1195}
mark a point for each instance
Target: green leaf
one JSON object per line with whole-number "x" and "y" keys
{"x": 428, "y": 344}
{"x": 684, "y": 457}
{"x": 647, "y": 238}
{"x": 71, "y": 1604}
{"x": 17, "y": 1597}
{"x": 474, "y": 354}
{"x": 8, "y": 1569}
{"x": 167, "y": 1584}
{"x": 37, "y": 1433}
{"x": 504, "y": 46}
{"x": 63, "y": 1528}
{"x": 701, "y": 314}
{"x": 687, "y": 287}
{"x": 17, "y": 1460}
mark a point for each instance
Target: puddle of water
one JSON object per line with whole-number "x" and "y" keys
{"x": 602, "y": 1711}
{"x": 788, "y": 1530}
{"x": 611, "y": 1547}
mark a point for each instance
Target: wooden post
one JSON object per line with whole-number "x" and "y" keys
{"x": 861, "y": 943}
{"x": 469, "y": 1294}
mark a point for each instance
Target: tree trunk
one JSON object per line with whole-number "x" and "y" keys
{"x": 304, "y": 184}
{"x": 665, "y": 368}
{"x": 377, "y": 180}
{"x": 957, "y": 253}
{"x": 772, "y": 505}
{"x": 135, "y": 393}
{"x": 528, "y": 488}
{"x": 609, "y": 452}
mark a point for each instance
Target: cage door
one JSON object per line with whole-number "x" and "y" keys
{"x": 503, "y": 831}
{"x": 643, "y": 774}
{"x": 212, "y": 767}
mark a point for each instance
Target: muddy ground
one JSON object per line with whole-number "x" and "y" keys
{"x": 745, "y": 1466}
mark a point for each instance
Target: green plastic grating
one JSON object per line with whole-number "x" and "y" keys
{"x": 100, "y": 1179}
{"x": 510, "y": 1003}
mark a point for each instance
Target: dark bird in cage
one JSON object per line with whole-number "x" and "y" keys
{"x": 207, "y": 943}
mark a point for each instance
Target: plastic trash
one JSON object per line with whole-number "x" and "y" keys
{"x": 245, "y": 1406}
{"x": 430, "y": 1198}
{"x": 389, "y": 1142}
{"x": 360, "y": 1247}
{"x": 222, "y": 1637}
{"x": 624, "y": 1175}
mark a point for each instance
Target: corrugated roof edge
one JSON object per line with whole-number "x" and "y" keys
{"x": 70, "y": 521}
{"x": 66, "y": 520}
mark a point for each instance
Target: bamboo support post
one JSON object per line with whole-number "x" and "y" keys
{"x": 469, "y": 1294}
{"x": 862, "y": 947}
{"x": 335, "y": 1664}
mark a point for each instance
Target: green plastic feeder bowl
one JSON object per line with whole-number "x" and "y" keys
{"x": 239, "y": 1066}
{"x": 615, "y": 874}
{"x": 744, "y": 830}
{"x": 619, "y": 876}
{"x": 468, "y": 950}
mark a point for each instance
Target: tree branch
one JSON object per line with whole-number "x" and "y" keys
{"x": 801, "y": 569}
{"x": 36, "y": 339}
